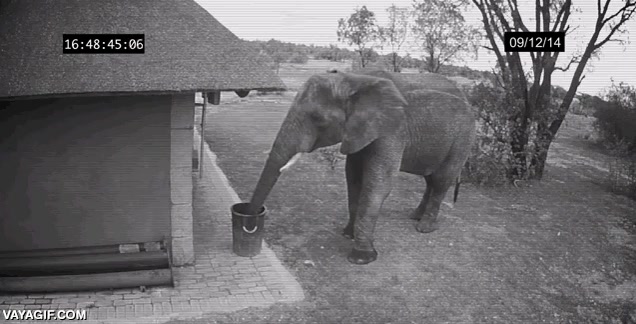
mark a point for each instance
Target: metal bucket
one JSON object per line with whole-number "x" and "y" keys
{"x": 247, "y": 230}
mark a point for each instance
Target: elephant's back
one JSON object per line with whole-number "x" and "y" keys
{"x": 428, "y": 81}
{"x": 408, "y": 82}
{"x": 439, "y": 103}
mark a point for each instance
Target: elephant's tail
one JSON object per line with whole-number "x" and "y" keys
{"x": 459, "y": 181}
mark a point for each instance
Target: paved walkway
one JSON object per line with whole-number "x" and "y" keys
{"x": 219, "y": 281}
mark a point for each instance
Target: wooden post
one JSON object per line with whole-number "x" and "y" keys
{"x": 201, "y": 155}
{"x": 215, "y": 97}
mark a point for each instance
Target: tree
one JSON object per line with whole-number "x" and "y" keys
{"x": 442, "y": 33}
{"x": 395, "y": 33}
{"x": 538, "y": 117}
{"x": 359, "y": 30}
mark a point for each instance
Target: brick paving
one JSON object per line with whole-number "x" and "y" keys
{"x": 219, "y": 281}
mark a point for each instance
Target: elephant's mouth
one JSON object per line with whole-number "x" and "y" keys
{"x": 324, "y": 142}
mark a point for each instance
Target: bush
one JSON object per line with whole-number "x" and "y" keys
{"x": 616, "y": 119}
{"x": 622, "y": 171}
{"x": 299, "y": 58}
{"x": 267, "y": 93}
{"x": 488, "y": 164}
{"x": 616, "y": 125}
{"x": 491, "y": 162}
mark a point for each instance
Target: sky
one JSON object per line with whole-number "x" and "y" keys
{"x": 315, "y": 22}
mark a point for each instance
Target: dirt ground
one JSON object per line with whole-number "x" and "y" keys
{"x": 562, "y": 250}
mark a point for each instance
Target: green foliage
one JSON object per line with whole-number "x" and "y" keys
{"x": 616, "y": 125}
{"x": 394, "y": 34}
{"x": 588, "y": 104}
{"x": 275, "y": 52}
{"x": 488, "y": 164}
{"x": 373, "y": 59}
{"x": 299, "y": 58}
{"x": 616, "y": 118}
{"x": 466, "y": 72}
{"x": 359, "y": 30}
{"x": 334, "y": 53}
{"x": 491, "y": 162}
{"x": 497, "y": 157}
{"x": 410, "y": 62}
{"x": 442, "y": 32}
{"x": 622, "y": 170}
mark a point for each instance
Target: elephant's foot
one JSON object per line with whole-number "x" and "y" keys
{"x": 362, "y": 257}
{"x": 415, "y": 215}
{"x": 427, "y": 225}
{"x": 348, "y": 232}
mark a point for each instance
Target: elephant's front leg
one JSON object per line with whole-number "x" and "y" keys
{"x": 369, "y": 207}
{"x": 353, "y": 171}
{"x": 379, "y": 166}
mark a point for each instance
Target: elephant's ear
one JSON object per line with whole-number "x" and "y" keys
{"x": 375, "y": 110}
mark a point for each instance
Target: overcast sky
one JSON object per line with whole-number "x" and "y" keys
{"x": 315, "y": 22}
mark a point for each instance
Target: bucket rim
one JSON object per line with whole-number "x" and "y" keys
{"x": 262, "y": 210}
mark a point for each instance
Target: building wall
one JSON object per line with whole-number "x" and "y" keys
{"x": 86, "y": 171}
{"x": 181, "y": 134}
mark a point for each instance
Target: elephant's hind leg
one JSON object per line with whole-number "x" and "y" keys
{"x": 439, "y": 184}
{"x": 419, "y": 211}
{"x": 353, "y": 170}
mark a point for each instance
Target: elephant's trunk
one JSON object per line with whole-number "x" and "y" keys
{"x": 288, "y": 143}
{"x": 266, "y": 182}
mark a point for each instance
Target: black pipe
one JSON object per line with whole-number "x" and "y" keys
{"x": 100, "y": 281}
{"x": 115, "y": 248}
{"x": 83, "y": 263}
{"x": 60, "y": 252}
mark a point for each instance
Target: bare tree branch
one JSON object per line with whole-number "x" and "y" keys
{"x": 618, "y": 12}
{"x": 516, "y": 16}
{"x": 626, "y": 13}
{"x": 563, "y": 16}
{"x": 489, "y": 34}
{"x": 604, "y": 11}
{"x": 499, "y": 13}
{"x": 575, "y": 59}
{"x": 545, "y": 10}
{"x": 537, "y": 14}
{"x": 499, "y": 82}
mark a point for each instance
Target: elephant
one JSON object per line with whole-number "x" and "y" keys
{"x": 386, "y": 122}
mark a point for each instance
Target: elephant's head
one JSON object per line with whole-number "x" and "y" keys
{"x": 332, "y": 108}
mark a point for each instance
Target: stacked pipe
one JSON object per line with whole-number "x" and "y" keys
{"x": 85, "y": 268}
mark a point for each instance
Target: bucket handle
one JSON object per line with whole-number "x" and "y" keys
{"x": 252, "y": 231}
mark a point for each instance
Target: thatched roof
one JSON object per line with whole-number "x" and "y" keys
{"x": 186, "y": 49}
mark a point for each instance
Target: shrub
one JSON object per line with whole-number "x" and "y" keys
{"x": 616, "y": 119}
{"x": 491, "y": 162}
{"x": 267, "y": 93}
{"x": 612, "y": 123}
{"x": 488, "y": 164}
{"x": 299, "y": 58}
{"x": 622, "y": 171}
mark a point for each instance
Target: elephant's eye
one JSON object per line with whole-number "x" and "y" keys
{"x": 317, "y": 118}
